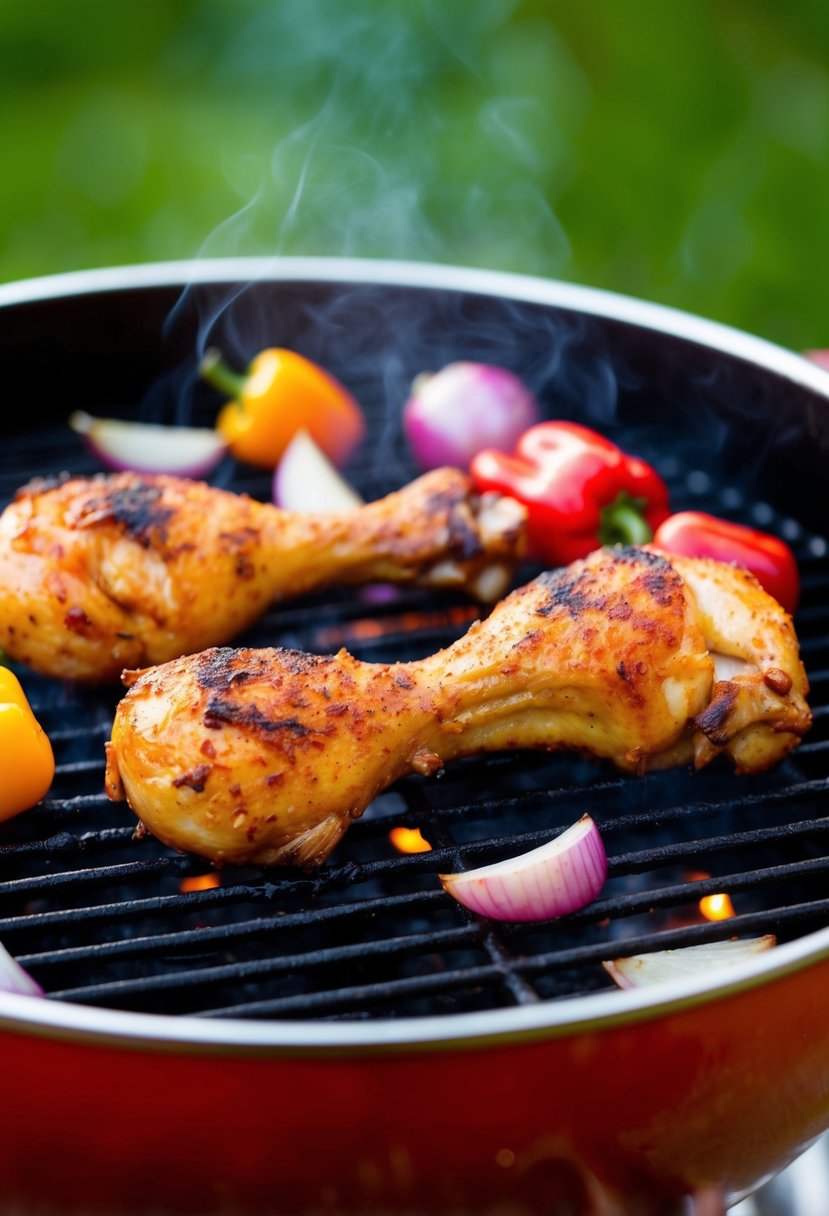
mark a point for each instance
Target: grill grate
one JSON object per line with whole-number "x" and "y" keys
{"x": 101, "y": 919}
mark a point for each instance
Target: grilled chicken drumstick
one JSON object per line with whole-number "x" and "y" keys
{"x": 265, "y": 756}
{"x": 102, "y": 573}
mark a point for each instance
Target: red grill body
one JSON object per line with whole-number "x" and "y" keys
{"x": 352, "y": 1040}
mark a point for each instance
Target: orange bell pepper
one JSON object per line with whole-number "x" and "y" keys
{"x": 27, "y": 764}
{"x": 282, "y": 392}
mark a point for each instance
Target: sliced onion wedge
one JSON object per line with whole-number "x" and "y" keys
{"x": 147, "y": 447}
{"x": 560, "y": 877}
{"x": 305, "y": 480}
{"x": 640, "y": 970}
{"x": 13, "y": 977}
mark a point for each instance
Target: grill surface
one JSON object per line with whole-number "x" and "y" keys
{"x": 101, "y": 919}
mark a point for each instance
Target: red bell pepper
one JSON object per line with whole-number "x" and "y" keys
{"x": 581, "y": 491}
{"x": 770, "y": 560}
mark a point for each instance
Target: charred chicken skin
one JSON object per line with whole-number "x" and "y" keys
{"x": 102, "y": 573}
{"x": 266, "y": 756}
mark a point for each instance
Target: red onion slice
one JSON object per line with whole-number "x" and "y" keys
{"x": 560, "y": 877}
{"x": 146, "y": 447}
{"x": 640, "y": 970}
{"x": 453, "y": 414}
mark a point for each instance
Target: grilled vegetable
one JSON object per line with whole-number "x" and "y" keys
{"x": 580, "y": 489}
{"x": 465, "y": 407}
{"x": 27, "y": 764}
{"x": 770, "y": 560}
{"x": 146, "y": 447}
{"x": 281, "y": 392}
{"x": 640, "y": 970}
{"x": 560, "y": 877}
{"x": 306, "y": 480}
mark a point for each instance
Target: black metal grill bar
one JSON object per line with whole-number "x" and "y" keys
{"x": 67, "y": 734}
{"x": 750, "y": 924}
{"x": 74, "y": 810}
{"x": 75, "y": 767}
{"x": 78, "y": 802}
{"x": 688, "y": 850}
{"x": 365, "y": 996}
{"x": 813, "y": 747}
{"x": 442, "y": 857}
{"x": 755, "y": 924}
{"x": 512, "y": 972}
{"x": 694, "y": 889}
{"x": 77, "y": 879}
{"x": 625, "y": 821}
{"x": 642, "y": 859}
{"x": 809, "y": 614}
{"x": 105, "y": 919}
{"x": 167, "y": 905}
{"x": 362, "y": 997}
{"x": 517, "y": 984}
{"x": 244, "y": 971}
{"x": 129, "y": 909}
{"x": 70, "y": 807}
{"x": 65, "y": 843}
{"x": 212, "y": 937}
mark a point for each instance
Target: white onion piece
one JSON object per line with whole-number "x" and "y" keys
{"x": 640, "y": 970}
{"x": 13, "y": 978}
{"x": 147, "y": 447}
{"x": 455, "y": 413}
{"x": 305, "y": 480}
{"x": 559, "y": 877}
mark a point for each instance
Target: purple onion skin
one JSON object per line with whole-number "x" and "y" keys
{"x": 455, "y": 413}
{"x": 554, "y": 880}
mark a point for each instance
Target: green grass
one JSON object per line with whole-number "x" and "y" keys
{"x": 676, "y": 152}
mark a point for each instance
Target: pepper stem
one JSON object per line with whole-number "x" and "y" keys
{"x": 215, "y": 371}
{"x": 622, "y": 522}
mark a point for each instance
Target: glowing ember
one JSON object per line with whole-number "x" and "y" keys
{"x": 712, "y": 907}
{"x": 716, "y": 907}
{"x": 199, "y": 882}
{"x": 409, "y": 840}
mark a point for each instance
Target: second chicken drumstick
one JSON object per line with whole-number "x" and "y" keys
{"x": 266, "y": 756}
{"x": 102, "y": 573}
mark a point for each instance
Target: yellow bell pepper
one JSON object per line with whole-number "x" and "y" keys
{"x": 27, "y": 764}
{"x": 281, "y": 393}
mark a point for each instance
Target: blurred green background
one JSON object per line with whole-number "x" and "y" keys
{"x": 674, "y": 151}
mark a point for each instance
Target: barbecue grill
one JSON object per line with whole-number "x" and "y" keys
{"x": 248, "y": 1013}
